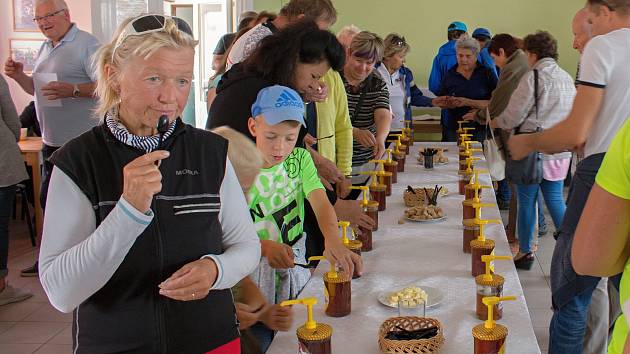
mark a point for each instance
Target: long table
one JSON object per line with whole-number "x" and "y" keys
{"x": 427, "y": 254}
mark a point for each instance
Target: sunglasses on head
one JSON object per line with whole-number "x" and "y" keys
{"x": 399, "y": 41}
{"x": 148, "y": 24}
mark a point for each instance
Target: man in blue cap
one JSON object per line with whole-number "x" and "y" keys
{"x": 483, "y": 36}
{"x": 446, "y": 57}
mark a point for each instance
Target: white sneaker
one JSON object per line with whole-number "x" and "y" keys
{"x": 11, "y": 294}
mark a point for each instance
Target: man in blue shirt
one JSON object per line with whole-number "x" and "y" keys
{"x": 446, "y": 57}
{"x": 64, "y": 106}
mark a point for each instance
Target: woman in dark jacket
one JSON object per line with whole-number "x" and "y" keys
{"x": 297, "y": 57}
{"x": 465, "y": 86}
{"x": 147, "y": 229}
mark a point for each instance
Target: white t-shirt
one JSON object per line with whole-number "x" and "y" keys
{"x": 397, "y": 98}
{"x": 604, "y": 65}
{"x": 245, "y": 45}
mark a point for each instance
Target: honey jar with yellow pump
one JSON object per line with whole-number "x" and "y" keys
{"x": 313, "y": 337}
{"x": 489, "y": 284}
{"x": 489, "y": 337}
{"x": 337, "y": 290}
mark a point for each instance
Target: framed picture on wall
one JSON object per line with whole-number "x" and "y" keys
{"x": 25, "y": 51}
{"x": 23, "y": 14}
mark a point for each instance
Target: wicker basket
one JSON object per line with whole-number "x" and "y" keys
{"x": 410, "y": 323}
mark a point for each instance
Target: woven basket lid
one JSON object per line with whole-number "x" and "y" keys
{"x": 496, "y": 280}
{"x": 342, "y": 277}
{"x": 489, "y": 334}
{"x": 487, "y": 244}
{"x": 321, "y": 332}
{"x": 354, "y": 245}
{"x": 379, "y": 187}
{"x": 372, "y": 204}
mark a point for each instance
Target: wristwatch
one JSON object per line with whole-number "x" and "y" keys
{"x": 76, "y": 92}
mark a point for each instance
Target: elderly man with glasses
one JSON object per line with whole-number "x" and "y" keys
{"x": 62, "y": 82}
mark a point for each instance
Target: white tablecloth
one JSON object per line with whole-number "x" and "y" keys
{"x": 426, "y": 254}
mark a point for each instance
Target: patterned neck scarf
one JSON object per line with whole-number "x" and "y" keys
{"x": 145, "y": 143}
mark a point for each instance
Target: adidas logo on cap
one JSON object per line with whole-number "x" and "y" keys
{"x": 288, "y": 99}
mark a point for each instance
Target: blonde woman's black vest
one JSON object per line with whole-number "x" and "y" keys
{"x": 128, "y": 315}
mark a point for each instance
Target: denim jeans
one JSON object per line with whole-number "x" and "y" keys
{"x": 504, "y": 192}
{"x": 541, "y": 209}
{"x": 6, "y": 206}
{"x": 527, "y": 200}
{"x": 567, "y": 327}
{"x": 571, "y": 293}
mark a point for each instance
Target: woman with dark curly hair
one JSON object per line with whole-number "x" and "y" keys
{"x": 526, "y": 113}
{"x": 297, "y": 57}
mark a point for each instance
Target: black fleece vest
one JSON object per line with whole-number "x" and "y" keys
{"x": 128, "y": 314}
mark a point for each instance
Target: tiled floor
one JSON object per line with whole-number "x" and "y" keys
{"x": 31, "y": 326}
{"x": 34, "y": 326}
{"x": 536, "y": 286}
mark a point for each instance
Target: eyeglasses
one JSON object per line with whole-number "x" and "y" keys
{"x": 399, "y": 41}
{"x": 47, "y": 16}
{"x": 149, "y": 24}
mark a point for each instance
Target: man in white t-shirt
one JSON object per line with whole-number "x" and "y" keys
{"x": 321, "y": 11}
{"x": 599, "y": 110}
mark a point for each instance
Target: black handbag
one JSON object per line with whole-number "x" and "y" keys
{"x": 528, "y": 170}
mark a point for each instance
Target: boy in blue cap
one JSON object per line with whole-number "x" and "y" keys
{"x": 276, "y": 202}
{"x": 276, "y": 199}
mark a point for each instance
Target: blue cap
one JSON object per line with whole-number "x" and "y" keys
{"x": 481, "y": 32}
{"x": 278, "y": 104}
{"x": 457, "y": 26}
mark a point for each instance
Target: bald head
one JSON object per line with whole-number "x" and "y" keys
{"x": 582, "y": 32}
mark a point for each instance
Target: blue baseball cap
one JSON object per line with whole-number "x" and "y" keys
{"x": 278, "y": 104}
{"x": 457, "y": 26}
{"x": 481, "y": 32}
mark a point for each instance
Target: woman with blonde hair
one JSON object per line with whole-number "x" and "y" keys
{"x": 368, "y": 104}
{"x": 403, "y": 92}
{"x": 147, "y": 228}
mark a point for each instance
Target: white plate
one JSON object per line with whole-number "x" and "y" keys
{"x": 434, "y": 296}
{"x": 428, "y": 220}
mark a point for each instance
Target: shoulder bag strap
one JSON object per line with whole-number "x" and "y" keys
{"x": 518, "y": 129}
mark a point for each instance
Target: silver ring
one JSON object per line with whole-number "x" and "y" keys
{"x": 193, "y": 295}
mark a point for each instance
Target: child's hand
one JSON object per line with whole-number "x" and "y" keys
{"x": 352, "y": 211}
{"x": 279, "y": 255}
{"x": 246, "y": 315}
{"x": 338, "y": 254}
{"x": 276, "y": 317}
